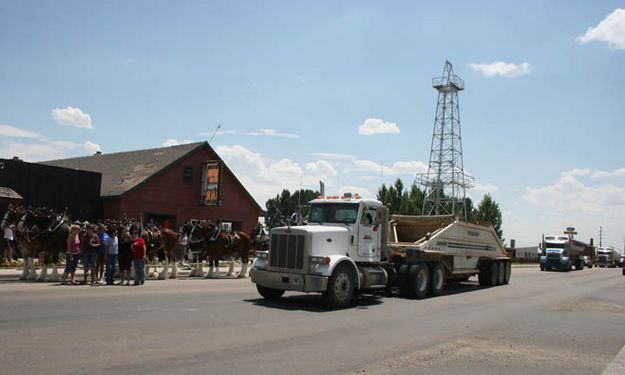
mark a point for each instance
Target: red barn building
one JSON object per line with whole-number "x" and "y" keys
{"x": 170, "y": 184}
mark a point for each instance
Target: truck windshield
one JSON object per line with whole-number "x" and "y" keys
{"x": 554, "y": 245}
{"x": 333, "y": 213}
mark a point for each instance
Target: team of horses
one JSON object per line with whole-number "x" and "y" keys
{"x": 43, "y": 233}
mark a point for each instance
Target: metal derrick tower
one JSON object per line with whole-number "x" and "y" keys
{"x": 446, "y": 181}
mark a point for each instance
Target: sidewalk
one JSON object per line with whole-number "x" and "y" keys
{"x": 617, "y": 366}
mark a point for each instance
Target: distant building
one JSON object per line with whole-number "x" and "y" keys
{"x": 170, "y": 184}
{"x": 527, "y": 253}
{"x": 38, "y": 185}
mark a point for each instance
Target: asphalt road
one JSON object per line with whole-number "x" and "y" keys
{"x": 542, "y": 323}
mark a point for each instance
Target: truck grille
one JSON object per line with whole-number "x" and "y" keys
{"x": 553, "y": 257}
{"x": 287, "y": 251}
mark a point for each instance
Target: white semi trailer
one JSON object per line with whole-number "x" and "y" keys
{"x": 350, "y": 245}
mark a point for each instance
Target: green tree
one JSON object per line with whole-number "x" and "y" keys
{"x": 400, "y": 201}
{"x": 488, "y": 210}
{"x": 281, "y": 208}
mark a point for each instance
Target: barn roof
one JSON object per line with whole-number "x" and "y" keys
{"x": 8, "y": 193}
{"x": 124, "y": 171}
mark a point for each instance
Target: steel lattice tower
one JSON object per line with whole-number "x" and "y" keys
{"x": 446, "y": 182}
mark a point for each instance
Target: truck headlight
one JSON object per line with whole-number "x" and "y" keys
{"x": 319, "y": 260}
{"x": 262, "y": 255}
{"x": 565, "y": 259}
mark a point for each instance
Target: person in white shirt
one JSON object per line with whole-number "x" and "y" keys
{"x": 9, "y": 241}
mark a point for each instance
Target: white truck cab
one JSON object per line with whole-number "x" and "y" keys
{"x": 342, "y": 232}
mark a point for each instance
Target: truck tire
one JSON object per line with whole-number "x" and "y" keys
{"x": 580, "y": 265}
{"x": 341, "y": 287}
{"x": 483, "y": 276}
{"x": 269, "y": 293}
{"x": 437, "y": 279}
{"x": 419, "y": 280}
{"x": 493, "y": 273}
{"x": 403, "y": 280}
{"x": 501, "y": 272}
{"x": 507, "y": 272}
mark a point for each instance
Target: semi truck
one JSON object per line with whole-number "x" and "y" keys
{"x": 562, "y": 252}
{"x": 350, "y": 245}
{"x": 607, "y": 257}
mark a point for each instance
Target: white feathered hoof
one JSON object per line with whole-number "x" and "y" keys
{"x": 54, "y": 276}
{"x": 32, "y": 276}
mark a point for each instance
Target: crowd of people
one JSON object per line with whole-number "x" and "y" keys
{"x": 103, "y": 249}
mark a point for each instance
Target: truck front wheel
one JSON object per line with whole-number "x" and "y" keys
{"x": 341, "y": 287}
{"x": 269, "y": 293}
{"x": 437, "y": 279}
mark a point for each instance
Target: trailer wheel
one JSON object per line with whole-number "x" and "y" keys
{"x": 403, "y": 280}
{"x": 507, "y": 272}
{"x": 501, "y": 272}
{"x": 341, "y": 287}
{"x": 579, "y": 265}
{"x": 269, "y": 293}
{"x": 493, "y": 273}
{"x": 483, "y": 276}
{"x": 437, "y": 279}
{"x": 419, "y": 280}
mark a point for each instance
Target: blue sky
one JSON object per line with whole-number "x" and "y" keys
{"x": 291, "y": 83}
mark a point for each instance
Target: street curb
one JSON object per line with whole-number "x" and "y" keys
{"x": 617, "y": 366}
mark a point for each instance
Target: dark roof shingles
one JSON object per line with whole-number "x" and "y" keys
{"x": 122, "y": 171}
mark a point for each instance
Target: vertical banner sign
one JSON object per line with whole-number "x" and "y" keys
{"x": 211, "y": 183}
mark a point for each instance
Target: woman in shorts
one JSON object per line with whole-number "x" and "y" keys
{"x": 73, "y": 251}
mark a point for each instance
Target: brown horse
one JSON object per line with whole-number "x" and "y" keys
{"x": 218, "y": 244}
{"x": 41, "y": 230}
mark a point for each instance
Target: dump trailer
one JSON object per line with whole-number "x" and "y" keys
{"x": 350, "y": 245}
{"x": 607, "y": 257}
{"x": 562, "y": 253}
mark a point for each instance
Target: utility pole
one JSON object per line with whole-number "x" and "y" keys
{"x": 446, "y": 182}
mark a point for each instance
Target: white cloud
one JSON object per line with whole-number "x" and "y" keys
{"x": 174, "y": 142}
{"x": 322, "y": 168}
{"x": 34, "y": 152}
{"x": 333, "y": 156}
{"x": 610, "y": 30}
{"x": 285, "y": 168}
{"x": 485, "y": 188}
{"x": 92, "y": 147}
{"x": 377, "y": 126}
{"x": 171, "y": 142}
{"x": 72, "y": 116}
{"x": 397, "y": 168}
{"x": 13, "y": 132}
{"x": 504, "y": 69}
{"x": 570, "y": 194}
{"x": 255, "y": 133}
{"x": 578, "y": 200}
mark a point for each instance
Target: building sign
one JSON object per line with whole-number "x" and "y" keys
{"x": 211, "y": 183}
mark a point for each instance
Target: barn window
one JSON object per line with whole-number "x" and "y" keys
{"x": 187, "y": 174}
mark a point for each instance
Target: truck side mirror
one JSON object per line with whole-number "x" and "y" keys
{"x": 381, "y": 216}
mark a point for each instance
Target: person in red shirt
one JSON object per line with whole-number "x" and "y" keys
{"x": 138, "y": 258}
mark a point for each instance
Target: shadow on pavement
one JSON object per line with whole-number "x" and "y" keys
{"x": 312, "y": 303}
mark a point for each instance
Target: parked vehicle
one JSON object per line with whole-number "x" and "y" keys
{"x": 350, "y": 245}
